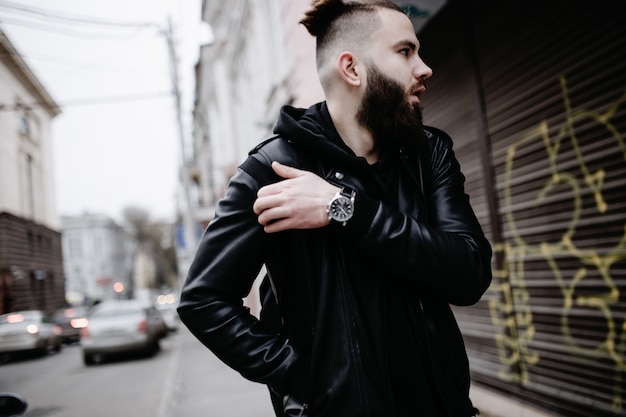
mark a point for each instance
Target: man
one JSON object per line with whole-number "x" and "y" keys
{"x": 359, "y": 214}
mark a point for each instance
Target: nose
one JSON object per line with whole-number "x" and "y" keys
{"x": 422, "y": 71}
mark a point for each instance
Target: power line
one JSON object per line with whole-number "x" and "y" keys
{"x": 93, "y": 67}
{"x": 65, "y": 31}
{"x": 49, "y": 14}
{"x": 91, "y": 101}
{"x": 56, "y": 22}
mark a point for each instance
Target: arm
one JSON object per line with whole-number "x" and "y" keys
{"x": 227, "y": 262}
{"x": 449, "y": 256}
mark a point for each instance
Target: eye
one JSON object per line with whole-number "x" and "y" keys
{"x": 405, "y": 51}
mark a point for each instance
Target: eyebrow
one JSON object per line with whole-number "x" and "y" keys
{"x": 412, "y": 45}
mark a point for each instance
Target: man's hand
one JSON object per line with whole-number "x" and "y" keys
{"x": 297, "y": 202}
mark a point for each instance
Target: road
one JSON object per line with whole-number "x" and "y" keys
{"x": 183, "y": 380}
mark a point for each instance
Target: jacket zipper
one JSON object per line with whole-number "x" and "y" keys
{"x": 430, "y": 355}
{"x": 355, "y": 350}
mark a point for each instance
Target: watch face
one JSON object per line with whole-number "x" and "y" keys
{"x": 341, "y": 209}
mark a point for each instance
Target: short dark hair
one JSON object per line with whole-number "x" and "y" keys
{"x": 332, "y": 20}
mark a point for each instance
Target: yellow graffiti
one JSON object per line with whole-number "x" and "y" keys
{"x": 512, "y": 313}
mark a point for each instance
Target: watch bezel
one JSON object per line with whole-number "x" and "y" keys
{"x": 344, "y": 199}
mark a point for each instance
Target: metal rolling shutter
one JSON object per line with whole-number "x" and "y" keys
{"x": 450, "y": 103}
{"x": 553, "y": 81}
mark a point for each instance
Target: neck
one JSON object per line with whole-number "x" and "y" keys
{"x": 355, "y": 136}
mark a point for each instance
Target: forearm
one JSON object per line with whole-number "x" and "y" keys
{"x": 453, "y": 265}
{"x": 224, "y": 268}
{"x": 442, "y": 248}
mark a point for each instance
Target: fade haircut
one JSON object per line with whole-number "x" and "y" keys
{"x": 345, "y": 24}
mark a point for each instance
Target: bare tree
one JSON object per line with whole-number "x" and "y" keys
{"x": 151, "y": 242}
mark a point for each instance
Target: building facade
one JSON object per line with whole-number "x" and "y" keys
{"x": 533, "y": 94}
{"x": 31, "y": 266}
{"x": 98, "y": 258}
{"x": 244, "y": 76}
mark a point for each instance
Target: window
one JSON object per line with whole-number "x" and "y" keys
{"x": 76, "y": 249}
{"x": 24, "y": 125}
{"x": 28, "y": 126}
{"x": 29, "y": 187}
{"x": 31, "y": 242}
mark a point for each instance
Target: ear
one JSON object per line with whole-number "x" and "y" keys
{"x": 350, "y": 68}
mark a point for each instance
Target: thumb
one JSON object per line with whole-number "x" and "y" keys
{"x": 285, "y": 171}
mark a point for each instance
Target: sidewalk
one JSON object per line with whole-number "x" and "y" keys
{"x": 492, "y": 404}
{"x": 203, "y": 386}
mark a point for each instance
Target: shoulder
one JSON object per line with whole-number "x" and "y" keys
{"x": 439, "y": 143}
{"x": 437, "y": 136}
{"x": 258, "y": 164}
{"x": 275, "y": 148}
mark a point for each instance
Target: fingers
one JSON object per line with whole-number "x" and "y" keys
{"x": 285, "y": 220}
{"x": 286, "y": 171}
{"x": 264, "y": 203}
{"x": 277, "y": 226}
{"x": 298, "y": 201}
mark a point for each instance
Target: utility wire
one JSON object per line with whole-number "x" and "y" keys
{"x": 115, "y": 99}
{"x": 104, "y": 69}
{"x": 52, "y": 21}
{"x": 75, "y": 18}
{"x": 51, "y": 16}
{"x": 65, "y": 31}
{"x": 90, "y": 101}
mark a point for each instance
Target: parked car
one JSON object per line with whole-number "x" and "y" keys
{"x": 71, "y": 320}
{"x": 170, "y": 315}
{"x": 121, "y": 326}
{"x": 28, "y": 331}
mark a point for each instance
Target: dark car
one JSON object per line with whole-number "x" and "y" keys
{"x": 121, "y": 326}
{"x": 71, "y": 320}
{"x": 12, "y": 405}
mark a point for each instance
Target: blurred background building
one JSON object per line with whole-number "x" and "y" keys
{"x": 48, "y": 261}
{"x": 98, "y": 257}
{"x": 533, "y": 94}
{"x": 31, "y": 265}
{"x": 105, "y": 260}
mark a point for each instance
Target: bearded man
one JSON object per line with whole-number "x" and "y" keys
{"x": 359, "y": 215}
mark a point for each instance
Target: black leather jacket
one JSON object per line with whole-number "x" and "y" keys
{"x": 323, "y": 329}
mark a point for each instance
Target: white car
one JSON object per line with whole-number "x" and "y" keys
{"x": 170, "y": 315}
{"x": 28, "y": 331}
{"x": 121, "y": 326}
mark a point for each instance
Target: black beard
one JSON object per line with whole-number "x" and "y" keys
{"x": 387, "y": 112}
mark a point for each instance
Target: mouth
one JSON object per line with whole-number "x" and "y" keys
{"x": 416, "y": 94}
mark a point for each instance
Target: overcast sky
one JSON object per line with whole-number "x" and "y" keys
{"x": 116, "y": 142}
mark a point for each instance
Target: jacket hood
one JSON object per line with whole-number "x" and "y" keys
{"x": 313, "y": 129}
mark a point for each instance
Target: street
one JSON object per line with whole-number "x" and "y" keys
{"x": 183, "y": 380}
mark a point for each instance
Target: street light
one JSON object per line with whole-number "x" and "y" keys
{"x": 118, "y": 287}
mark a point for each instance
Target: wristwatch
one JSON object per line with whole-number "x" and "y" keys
{"x": 341, "y": 207}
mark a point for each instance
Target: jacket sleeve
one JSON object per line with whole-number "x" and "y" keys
{"x": 448, "y": 257}
{"x": 228, "y": 260}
